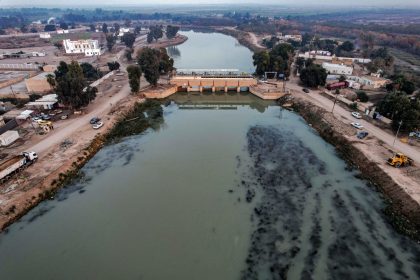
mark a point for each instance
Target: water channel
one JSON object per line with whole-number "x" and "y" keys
{"x": 227, "y": 187}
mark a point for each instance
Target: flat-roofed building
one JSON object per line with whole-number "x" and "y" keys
{"x": 87, "y": 47}
{"x": 339, "y": 69}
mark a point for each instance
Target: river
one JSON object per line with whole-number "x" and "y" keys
{"x": 226, "y": 187}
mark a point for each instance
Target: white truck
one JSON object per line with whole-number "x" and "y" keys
{"x": 16, "y": 164}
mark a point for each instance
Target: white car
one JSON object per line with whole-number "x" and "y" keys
{"x": 357, "y": 125}
{"x": 97, "y": 125}
{"x": 356, "y": 115}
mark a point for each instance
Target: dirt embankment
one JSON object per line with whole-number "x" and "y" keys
{"x": 244, "y": 38}
{"x": 403, "y": 210}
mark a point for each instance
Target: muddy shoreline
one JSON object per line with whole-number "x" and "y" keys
{"x": 403, "y": 211}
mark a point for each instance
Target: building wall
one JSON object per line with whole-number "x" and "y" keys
{"x": 88, "y": 47}
{"x": 337, "y": 69}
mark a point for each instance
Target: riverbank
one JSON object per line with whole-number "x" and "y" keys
{"x": 244, "y": 38}
{"x": 402, "y": 209}
{"x": 61, "y": 162}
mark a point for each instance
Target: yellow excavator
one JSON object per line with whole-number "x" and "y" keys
{"x": 399, "y": 160}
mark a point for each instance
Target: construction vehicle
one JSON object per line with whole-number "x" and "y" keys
{"x": 45, "y": 125}
{"x": 399, "y": 160}
{"x": 16, "y": 164}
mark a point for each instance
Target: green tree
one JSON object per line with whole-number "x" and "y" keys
{"x": 134, "y": 74}
{"x": 89, "y": 72}
{"x": 64, "y": 25}
{"x": 116, "y": 28}
{"x": 70, "y": 86}
{"x": 110, "y": 41}
{"x": 342, "y": 78}
{"x": 171, "y": 31}
{"x": 262, "y": 62}
{"x": 155, "y": 33}
{"x": 347, "y": 46}
{"x": 92, "y": 28}
{"x": 313, "y": 76}
{"x": 113, "y": 66}
{"x": 128, "y": 54}
{"x": 279, "y": 59}
{"x": 362, "y": 96}
{"x": 49, "y": 27}
{"x": 128, "y": 39}
{"x": 137, "y": 30}
{"x": 51, "y": 80}
{"x": 149, "y": 37}
{"x": 154, "y": 62}
{"x": 399, "y": 107}
{"x": 105, "y": 28}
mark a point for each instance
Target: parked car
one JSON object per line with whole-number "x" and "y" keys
{"x": 305, "y": 90}
{"x": 94, "y": 120}
{"x": 362, "y": 134}
{"x": 357, "y": 115}
{"x": 357, "y": 125}
{"x": 97, "y": 125}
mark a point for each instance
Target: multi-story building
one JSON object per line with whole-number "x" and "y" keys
{"x": 88, "y": 47}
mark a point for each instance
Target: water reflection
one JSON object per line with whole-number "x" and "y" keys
{"x": 174, "y": 51}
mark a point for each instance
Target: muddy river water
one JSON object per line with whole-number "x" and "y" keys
{"x": 227, "y": 187}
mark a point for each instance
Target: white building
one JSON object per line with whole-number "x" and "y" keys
{"x": 297, "y": 38}
{"x": 337, "y": 68}
{"x": 372, "y": 82}
{"x": 47, "y": 102}
{"x": 44, "y": 35}
{"x": 325, "y": 55}
{"x": 123, "y": 30}
{"x": 62, "y": 31}
{"x": 88, "y": 47}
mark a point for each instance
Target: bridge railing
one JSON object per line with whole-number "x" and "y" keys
{"x": 212, "y": 73}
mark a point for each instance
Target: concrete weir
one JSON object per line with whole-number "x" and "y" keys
{"x": 220, "y": 80}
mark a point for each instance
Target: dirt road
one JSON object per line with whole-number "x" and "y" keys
{"x": 63, "y": 131}
{"x": 254, "y": 40}
{"x": 315, "y": 97}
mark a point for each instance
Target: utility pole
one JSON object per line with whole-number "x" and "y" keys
{"x": 337, "y": 92}
{"x": 14, "y": 95}
{"x": 396, "y": 135}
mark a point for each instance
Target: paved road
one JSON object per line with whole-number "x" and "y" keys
{"x": 317, "y": 98}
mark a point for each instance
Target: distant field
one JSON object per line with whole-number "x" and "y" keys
{"x": 407, "y": 57}
{"x": 71, "y": 36}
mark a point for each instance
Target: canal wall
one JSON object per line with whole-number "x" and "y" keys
{"x": 403, "y": 211}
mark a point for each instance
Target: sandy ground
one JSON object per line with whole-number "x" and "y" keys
{"x": 377, "y": 146}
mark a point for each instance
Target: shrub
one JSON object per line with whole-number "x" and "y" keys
{"x": 362, "y": 96}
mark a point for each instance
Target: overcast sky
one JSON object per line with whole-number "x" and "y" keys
{"x": 75, "y": 3}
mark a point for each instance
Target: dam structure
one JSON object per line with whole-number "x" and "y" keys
{"x": 197, "y": 81}
{"x": 212, "y": 80}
